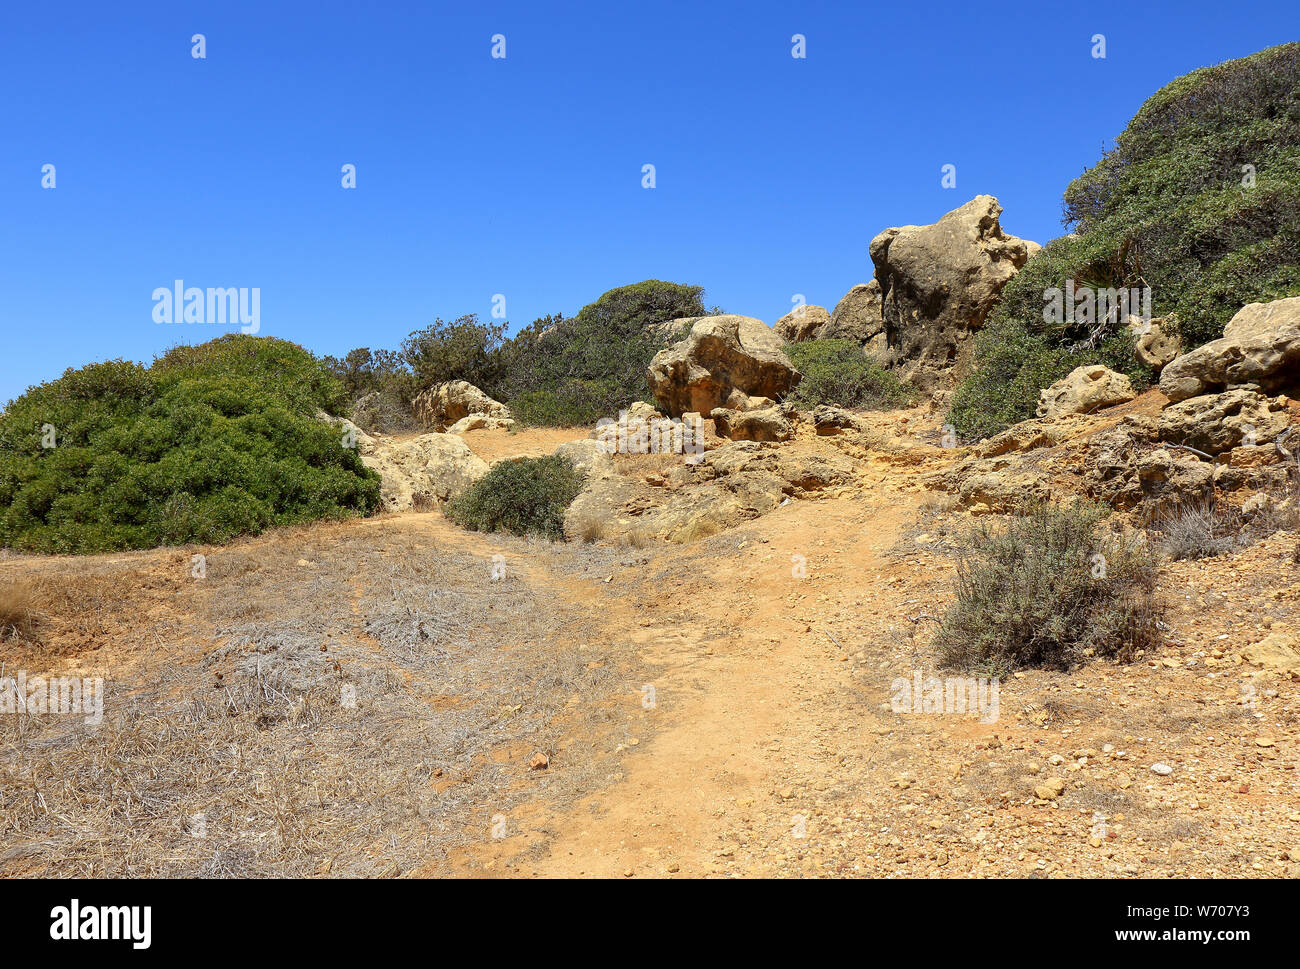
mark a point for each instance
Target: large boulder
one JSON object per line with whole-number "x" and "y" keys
{"x": 938, "y": 283}
{"x": 804, "y": 322}
{"x": 1215, "y": 423}
{"x": 421, "y": 472}
{"x": 722, "y": 360}
{"x": 857, "y": 317}
{"x": 1260, "y": 346}
{"x": 444, "y": 404}
{"x": 1083, "y": 390}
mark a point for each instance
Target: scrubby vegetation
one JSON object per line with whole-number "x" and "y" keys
{"x": 1199, "y": 200}
{"x": 558, "y": 372}
{"x": 575, "y": 371}
{"x": 838, "y": 372}
{"x": 523, "y": 496}
{"x": 1207, "y": 528}
{"x": 210, "y": 442}
{"x": 1050, "y": 588}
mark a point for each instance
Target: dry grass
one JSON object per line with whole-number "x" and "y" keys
{"x": 361, "y": 715}
{"x": 18, "y": 610}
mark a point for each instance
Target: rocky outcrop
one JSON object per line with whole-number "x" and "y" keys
{"x": 1084, "y": 390}
{"x": 1215, "y": 423}
{"x": 858, "y": 317}
{"x": 734, "y": 483}
{"x": 828, "y": 419}
{"x": 421, "y": 472}
{"x": 593, "y": 457}
{"x": 481, "y": 422}
{"x": 802, "y": 323}
{"x": 938, "y": 283}
{"x": 774, "y": 423}
{"x": 1125, "y": 468}
{"x": 1259, "y": 346}
{"x": 721, "y": 357}
{"x": 442, "y": 405}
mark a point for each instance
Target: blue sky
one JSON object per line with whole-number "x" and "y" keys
{"x": 522, "y": 176}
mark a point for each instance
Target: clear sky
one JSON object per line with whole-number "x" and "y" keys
{"x": 522, "y": 176}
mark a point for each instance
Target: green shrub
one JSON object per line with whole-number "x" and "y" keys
{"x": 1049, "y": 588}
{"x": 1167, "y": 210}
{"x": 211, "y": 442}
{"x": 574, "y": 403}
{"x": 594, "y": 364}
{"x": 523, "y": 496}
{"x": 291, "y": 374}
{"x": 838, "y": 372}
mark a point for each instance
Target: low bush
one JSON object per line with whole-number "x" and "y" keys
{"x": 1049, "y": 588}
{"x": 523, "y": 496}
{"x": 1198, "y": 531}
{"x": 838, "y": 372}
{"x": 574, "y": 403}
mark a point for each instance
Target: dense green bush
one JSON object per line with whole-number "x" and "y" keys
{"x": 559, "y": 371}
{"x": 1049, "y": 588}
{"x": 579, "y": 369}
{"x": 289, "y": 373}
{"x": 1167, "y": 209}
{"x": 211, "y": 442}
{"x": 524, "y": 496}
{"x": 838, "y": 372}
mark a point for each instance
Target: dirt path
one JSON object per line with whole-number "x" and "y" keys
{"x": 740, "y": 684}
{"x": 771, "y": 747}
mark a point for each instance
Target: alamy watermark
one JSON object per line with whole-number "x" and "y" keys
{"x": 57, "y": 694}
{"x": 952, "y": 695}
{"x": 658, "y": 435}
{"x": 190, "y": 304}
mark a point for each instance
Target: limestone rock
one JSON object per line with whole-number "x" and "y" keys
{"x": 442, "y": 405}
{"x": 424, "y": 471}
{"x": 1219, "y": 422}
{"x": 857, "y": 317}
{"x": 1155, "y": 343}
{"x": 721, "y": 354}
{"x": 829, "y": 419}
{"x": 480, "y": 422}
{"x": 802, "y": 323}
{"x": 1083, "y": 390}
{"x": 1260, "y": 346}
{"x": 1277, "y": 651}
{"x": 774, "y": 423}
{"x": 1125, "y": 468}
{"x": 938, "y": 283}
